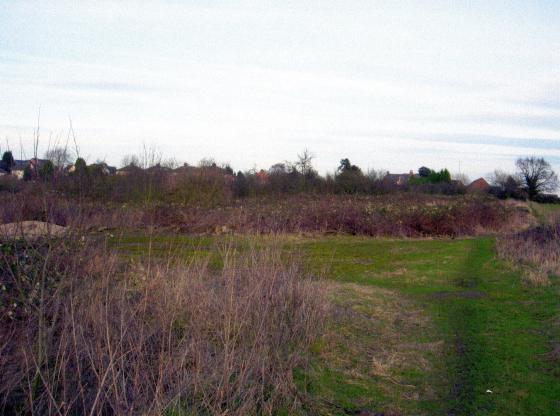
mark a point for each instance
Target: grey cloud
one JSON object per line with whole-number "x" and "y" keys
{"x": 521, "y": 142}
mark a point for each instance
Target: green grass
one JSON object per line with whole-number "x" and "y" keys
{"x": 444, "y": 320}
{"x": 544, "y": 212}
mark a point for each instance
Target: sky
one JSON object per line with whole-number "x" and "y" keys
{"x": 391, "y": 85}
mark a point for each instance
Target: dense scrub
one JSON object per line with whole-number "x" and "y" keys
{"x": 83, "y": 333}
{"x": 536, "y": 250}
{"x": 401, "y": 214}
{"x": 209, "y": 184}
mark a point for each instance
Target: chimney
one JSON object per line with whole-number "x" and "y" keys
{"x": 411, "y": 173}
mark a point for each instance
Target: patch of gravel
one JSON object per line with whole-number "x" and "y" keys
{"x": 31, "y": 230}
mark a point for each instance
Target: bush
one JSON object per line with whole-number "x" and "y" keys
{"x": 10, "y": 184}
{"x": 444, "y": 188}
{"x": 83, "y": 333}
{"x": 424, "y": 172}
{"x": 402, "y": 215}
{"x": 536, "y": 251}
{"x": 431, "y": 177}
{"x": 503, "y": 193}
{"x": 46, "y": 171}
{"x": 547, "y": 199}
{"x": 36, "y": 204}
{"x": 351, "y": 182}
{"x": 27, "y": 173}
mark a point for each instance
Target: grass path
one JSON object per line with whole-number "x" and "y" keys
{"x": 469, "y": 356}
{"x": 494, "y": 327}
{"x": 423, "y": 327}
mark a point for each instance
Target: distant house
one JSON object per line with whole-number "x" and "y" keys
{"x": 106, "y": 169}
{"x": 19, "y": 167}
{"x": 127, "y": 170}
{"x": 36, "y": 164}
{"x": 398, "y": 179}
{"x": 478, "y": 185}
{"x": 184, "y": 170}
{"x": 158, "y": 169}
{"x": 102, "y": 168}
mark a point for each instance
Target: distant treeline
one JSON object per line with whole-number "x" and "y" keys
{"x": 211, "y": 183}
{"x": 150, "y": 179}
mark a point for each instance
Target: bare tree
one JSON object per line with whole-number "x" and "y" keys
{"x": 149, "y": 156}
{"x": 537, "y": 175}
{"x": 130, "y": 160}
{"x": 170, "y": 163}
{"x": 303, "y": 163}
{"x": 279, "y": 169}
{"x": 59, "y": 156}
{"x": 461, "y": 177}
{"x": 73, "y": 133}
{"x": 207, "y": 162}
{"x": 498, "y": 177}
{"x": 376, "y": 175}
{"x": 36, "y": 135}
{"x": 505, "y": 179}
{"x": 508, "y": 184}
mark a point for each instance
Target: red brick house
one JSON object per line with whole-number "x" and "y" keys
{"x": 478, "y": 185}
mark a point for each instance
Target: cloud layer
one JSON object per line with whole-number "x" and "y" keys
{"x": 390, "y": 85}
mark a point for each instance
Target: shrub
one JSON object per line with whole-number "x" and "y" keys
{"x": 7, "y": 161}
{"x": 27, "y": 173}
{"x": 424, "y": 172}
{"x": 547, "y": 199}
{"x": 9, "y": 184}
{"x": 402, "y": 215}
{"x": 431, "y": 177}
{"x": 46, "y": 171}
{"x": 36, "y": 204}
{"x": 83, "y": 333}
{"x": 536, "y": 251}
{"x": 351, "y": 181}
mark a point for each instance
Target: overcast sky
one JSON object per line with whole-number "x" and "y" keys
{"x": 393, "y": 85}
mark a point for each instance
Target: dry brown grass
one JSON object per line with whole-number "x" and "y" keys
{"x": 536, "y": 278}
{"x": 536, "y": 251}
{"x": 376, "y": 337}
{"x": 83, "y": 333}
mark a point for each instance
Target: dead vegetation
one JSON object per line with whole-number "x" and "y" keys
{"x": 83, "y": 333}
{"x": 398, "y": 215}
{"x": 536, "y": 251}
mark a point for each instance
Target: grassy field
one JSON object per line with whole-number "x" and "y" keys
{"x": 416, "y": 326}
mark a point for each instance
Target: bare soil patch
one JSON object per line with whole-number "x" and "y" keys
{"x": 31, "y": 230}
